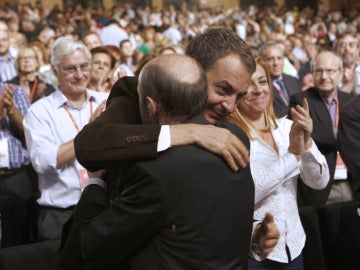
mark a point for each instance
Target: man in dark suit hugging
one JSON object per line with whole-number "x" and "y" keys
{"x": 184, "y": 210}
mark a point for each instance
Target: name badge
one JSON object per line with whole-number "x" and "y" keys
{"x": 4, "y": 153}
{"x": 340, "y": 169}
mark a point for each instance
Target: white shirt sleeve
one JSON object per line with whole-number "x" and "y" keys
{"x": 96, "y": 181}
{"x": 164, "y": 138}
{"x": 314, "y": 170}
{"x": 40, "y": 141}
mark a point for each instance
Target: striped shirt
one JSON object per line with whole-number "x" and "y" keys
{"x": 18, "y": 155}
{"x": 7, "y": 69}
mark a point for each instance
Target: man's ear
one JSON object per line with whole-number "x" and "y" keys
{"x": 151, "y": 106}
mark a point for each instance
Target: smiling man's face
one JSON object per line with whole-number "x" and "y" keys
{"x": 228, "y": 80}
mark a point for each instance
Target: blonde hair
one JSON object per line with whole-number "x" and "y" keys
{"x": 23, "y": 48}
{"x": 270, "y": 117}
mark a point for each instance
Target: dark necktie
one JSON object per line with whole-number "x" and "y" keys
{"x": 282, "y": 91}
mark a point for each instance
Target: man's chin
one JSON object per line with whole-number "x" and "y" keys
{"x": 212, "y": 118}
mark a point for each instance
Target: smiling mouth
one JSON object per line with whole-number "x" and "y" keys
{"x": 219, "y": 115}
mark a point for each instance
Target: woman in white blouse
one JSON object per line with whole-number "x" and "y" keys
{"x": 280, "y": 151}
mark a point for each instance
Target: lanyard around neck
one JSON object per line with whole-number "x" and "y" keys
{"x": 33, "y": 89}
{"x": 66, "y": 107}
{"x": 337, "y": 113}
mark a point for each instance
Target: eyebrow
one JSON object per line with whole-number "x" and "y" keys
{"x": 262, "y": 77}
{"x": 225, "y": 84}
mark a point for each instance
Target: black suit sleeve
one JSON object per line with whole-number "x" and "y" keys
{"x": 349, "y": 141}
{"x": 117, "y": 135}
{"x": 128, "y": 222}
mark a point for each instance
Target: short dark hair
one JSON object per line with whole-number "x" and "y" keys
{"x": 105, "y": 50}
{"x": 124, "y": 41}
{"x": 88, "y": 33}
{"x": 218, "y": 42}
{"x": 177, "y": 100}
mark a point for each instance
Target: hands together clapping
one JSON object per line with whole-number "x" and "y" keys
{"x": 7, "y": 100}
{"x": 301, "y": 129}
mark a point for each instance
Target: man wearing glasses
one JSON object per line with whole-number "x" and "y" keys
{"x": 326, "y": 103}
{"x": 50, "y": 127}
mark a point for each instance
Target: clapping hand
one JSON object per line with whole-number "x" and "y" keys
{"x": 301, "y": 118}
{"x": 2, "y": 109}
{"x": 41, "y": 90}
{"x": 98, "y": 111}
{"x": 8, "y": 98}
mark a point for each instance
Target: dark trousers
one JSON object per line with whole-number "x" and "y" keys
{"x": 51, "y": 221}
{"x": 17, "y": 191}
{"x": 296, "y": 264}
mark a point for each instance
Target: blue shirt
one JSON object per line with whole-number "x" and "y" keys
{"x": 7, "y": 68}
{"x": 18, "y": 155}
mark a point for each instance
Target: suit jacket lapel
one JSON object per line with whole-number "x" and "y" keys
{"x": 319, "y": 109}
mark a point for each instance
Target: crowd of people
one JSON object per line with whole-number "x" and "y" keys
{"x": 87, "y": 92}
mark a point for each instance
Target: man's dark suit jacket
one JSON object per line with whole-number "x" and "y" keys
{"x": 324, "y": 139}
{"x": 349, "y": 141}
{"x": 115, "y": 135}
{"x": 184, "y": 210}
{"x": 293, "y": 86}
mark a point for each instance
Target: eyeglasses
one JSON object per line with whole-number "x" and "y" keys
{"x": 351, "y": 45}
{"x": 72, "y": 68}
{"x": 24, "y": 58}
{"x": 329, "y": 72}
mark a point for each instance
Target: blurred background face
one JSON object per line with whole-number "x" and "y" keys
{"x": 257, "y": 98}
{"x": 4, "y": 42}
{"x": 127, "y": 49}
{"x": 92, "y": 41}
{"x": 274, "y": 61}
{"x": 326, "y": 72}
{"x": 101, "y": 66}
{"x": 149, "y": 34}
{"x": 349, "y": 50}
{"x": 27, "y": 61}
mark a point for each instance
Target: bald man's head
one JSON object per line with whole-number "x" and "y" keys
{"x": 177, "y": 84}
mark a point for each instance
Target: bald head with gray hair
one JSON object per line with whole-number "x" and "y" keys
{"x": 178, "y": 86}
{"x": 64, "y": 46}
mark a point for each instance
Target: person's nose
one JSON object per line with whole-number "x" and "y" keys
{"x": 254, "y": 89}
{"x": 79, "y": 73}
{"x": 101, "y": 65}
{"x": 276, "y": 62}
{"x": 324, "y": 75}
{"x": 229, "y": 104}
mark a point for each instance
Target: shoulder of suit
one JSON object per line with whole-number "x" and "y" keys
{"x": 345, "y": 95}
{"x": 352, "y": 108}
{"x": 289, "y": 77}
{"x": 125, "y": 86}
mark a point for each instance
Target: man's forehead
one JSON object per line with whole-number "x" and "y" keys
{"x": 326, "y": 58}
{"x": 348, "y": 38}
{"x": 75, "y": 56}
